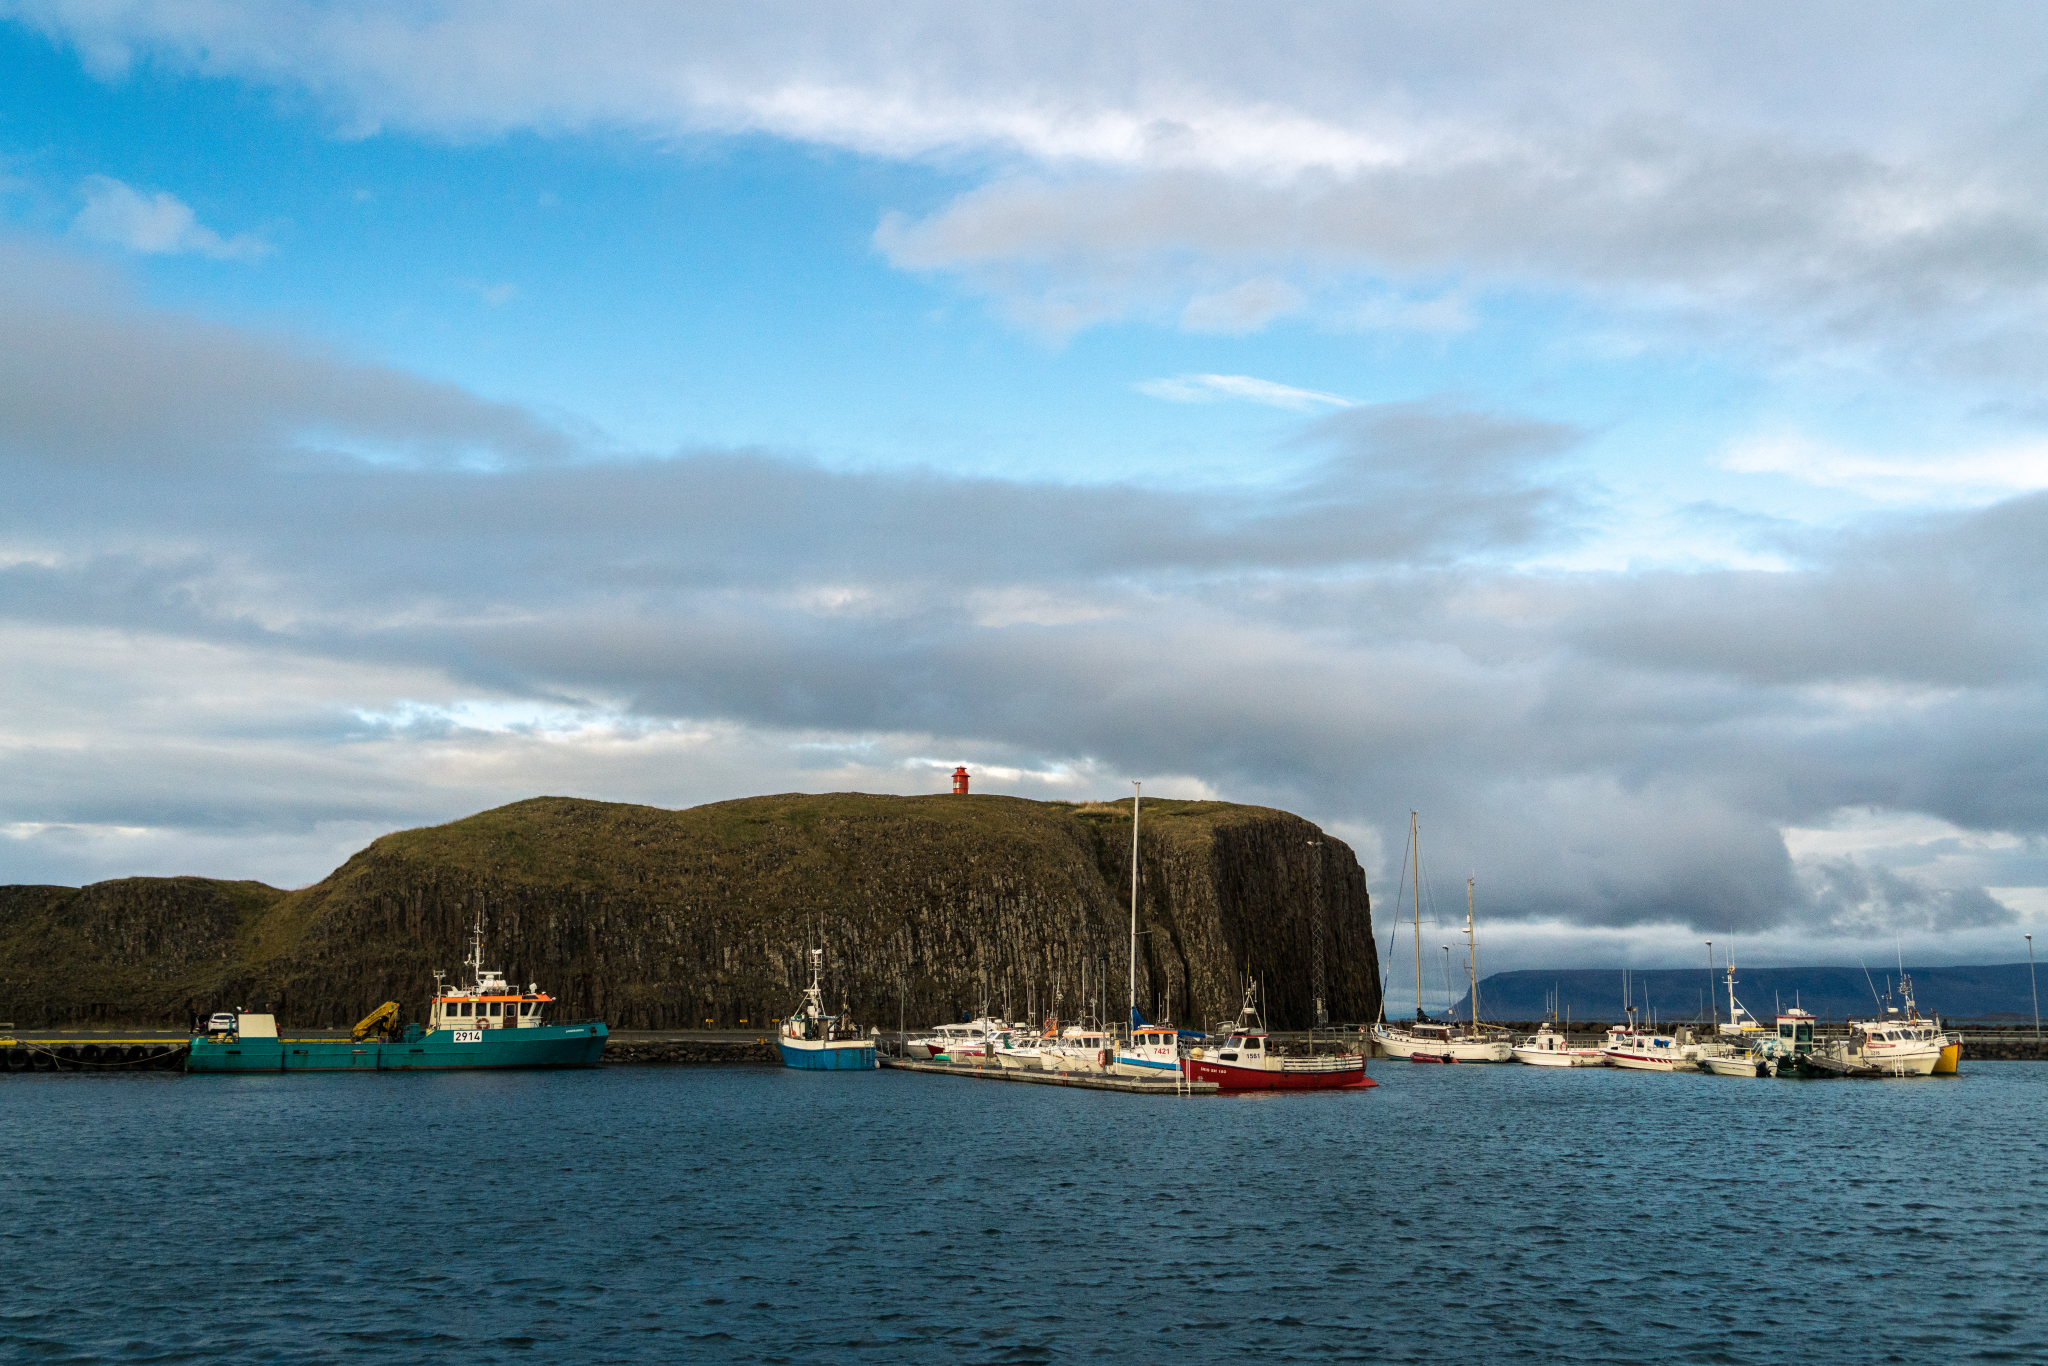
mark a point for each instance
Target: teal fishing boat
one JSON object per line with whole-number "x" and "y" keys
{"x": 485, "y": 1023}
{"x": 813, "y": 1041}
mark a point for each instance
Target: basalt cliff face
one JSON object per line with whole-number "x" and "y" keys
{"x": 647, "y": 918}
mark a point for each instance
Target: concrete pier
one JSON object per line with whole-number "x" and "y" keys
{"x": 1085, "y": 1081}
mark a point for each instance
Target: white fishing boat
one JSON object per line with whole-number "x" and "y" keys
{"x": 1244, "y": 1058}
{"x": 1152, "y": 1052}
{"x": 1897, "y": 1043}
{"x": 1549, "y": 1047}
{"x": 1425, "y": 1040}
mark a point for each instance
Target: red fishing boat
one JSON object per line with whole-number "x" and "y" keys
{"x": 1246, "y": 1061}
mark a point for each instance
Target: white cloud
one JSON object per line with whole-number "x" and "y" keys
{"x": 1822, "y": 174}
{"x": 1213, "y": 388}
{"x": 1241, "y": 308}
{"x": 1965, "y": 478}
{"x": 155, "y": 225}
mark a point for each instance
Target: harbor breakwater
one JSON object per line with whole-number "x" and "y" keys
{"x": 652, "y": 919}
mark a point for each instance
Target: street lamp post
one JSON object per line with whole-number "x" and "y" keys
{"x": 1710, "y": 985}
{"x": 2034, "y": 985}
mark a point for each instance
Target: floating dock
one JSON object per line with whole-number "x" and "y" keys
{"x": 1083, "y": 1080}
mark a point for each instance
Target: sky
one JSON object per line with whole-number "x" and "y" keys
{"x": 1613, "y": 432}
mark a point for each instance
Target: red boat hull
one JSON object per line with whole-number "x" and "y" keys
{"x": 1228, "y": 1078}
{"x": 1431, "y": 1057}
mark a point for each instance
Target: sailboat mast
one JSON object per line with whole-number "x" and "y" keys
{"x": 1137, "y": 791}
{"x": 1415, "y": 842}
{"x": 1471, "y": 954}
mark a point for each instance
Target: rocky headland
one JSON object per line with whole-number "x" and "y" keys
{"x": 656, "y": 919}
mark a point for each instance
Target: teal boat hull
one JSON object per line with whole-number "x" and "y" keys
{"x": 545, "y": 1046}
{"x": 835, "y": 1057}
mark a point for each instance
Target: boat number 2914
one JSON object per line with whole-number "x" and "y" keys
{"x": 469, "y": 1036}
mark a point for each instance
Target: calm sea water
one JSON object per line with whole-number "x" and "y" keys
{"x": 1467, "y": 1214}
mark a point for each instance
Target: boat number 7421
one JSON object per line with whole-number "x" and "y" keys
{"x": 469, "y": 1036}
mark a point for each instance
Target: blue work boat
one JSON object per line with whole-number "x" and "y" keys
{"x": 486, "y": 1023}
{"x": 816, "y": 1042}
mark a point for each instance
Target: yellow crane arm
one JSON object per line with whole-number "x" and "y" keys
{"x": 385, "y": 1015}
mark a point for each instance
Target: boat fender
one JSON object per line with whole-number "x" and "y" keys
{"x": 1102, "y": 1058}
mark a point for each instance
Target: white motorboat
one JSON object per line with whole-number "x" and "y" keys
{"x": 968, "y": 1039}
{"x": 1548, "y": 1047}
{"x": 1079, "y": 1048}
{"x": 1746, "y": 1062}
{"x": 1020, "y": 1055}
{"x": 1646, "y": 1050}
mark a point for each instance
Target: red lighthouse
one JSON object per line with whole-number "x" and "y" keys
{"x": 960, "y": 781}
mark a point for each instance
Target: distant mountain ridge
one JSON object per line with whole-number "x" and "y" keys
{"x": 1677, "y": 994}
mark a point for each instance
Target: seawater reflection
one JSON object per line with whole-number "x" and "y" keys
{"x": 1475, "y": 1214}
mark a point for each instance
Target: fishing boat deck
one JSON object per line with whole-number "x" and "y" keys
{"x": 1083, "y": 1080}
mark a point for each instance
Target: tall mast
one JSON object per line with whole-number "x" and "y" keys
{"x": 1137, "y": 791}
{"x": 1415, "y": 842}
{"x": 1472, "y": 954}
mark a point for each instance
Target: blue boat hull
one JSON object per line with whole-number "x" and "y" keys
{"x": 850, "y": 1056}
{"x": 545, "y": 1046}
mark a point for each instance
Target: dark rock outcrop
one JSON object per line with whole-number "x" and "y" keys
{"x": 656, "y": 919}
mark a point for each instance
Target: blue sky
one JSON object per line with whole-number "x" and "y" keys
{"x": 1613, "y": 433}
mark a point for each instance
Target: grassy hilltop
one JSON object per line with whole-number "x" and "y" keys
{"x": 655, "y": 918}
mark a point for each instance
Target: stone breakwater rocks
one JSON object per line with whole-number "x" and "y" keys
{"x": 2003, "y": 1050}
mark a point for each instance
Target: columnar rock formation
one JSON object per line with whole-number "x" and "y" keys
{"x": 927, "y": 907}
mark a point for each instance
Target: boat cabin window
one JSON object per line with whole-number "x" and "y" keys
{"x": 1784, "y": 1031}
{"x": 462, "y": 1008}
{"x": 495, "y": 1007}
{"x": 1805, "y": 1033}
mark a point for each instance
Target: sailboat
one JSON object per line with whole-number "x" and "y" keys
{"x": 1426, "y": 1040}
{"x": 1147, "y": 1051}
